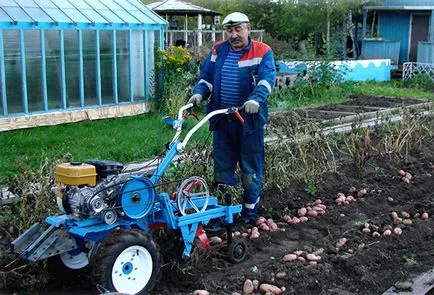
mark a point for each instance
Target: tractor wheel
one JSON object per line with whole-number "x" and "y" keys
{"x": 67, "y": 269}
{"x": 126, "y": 261}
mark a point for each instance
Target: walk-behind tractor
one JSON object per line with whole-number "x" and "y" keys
{"x": 110, "y": 217}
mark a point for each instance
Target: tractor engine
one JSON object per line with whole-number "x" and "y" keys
{"x": 90, "y": 189}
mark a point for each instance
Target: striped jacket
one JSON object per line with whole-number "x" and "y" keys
{"x": 257, "y": 75}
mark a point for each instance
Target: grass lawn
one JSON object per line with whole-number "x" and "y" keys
{"x": 124, "y": 139}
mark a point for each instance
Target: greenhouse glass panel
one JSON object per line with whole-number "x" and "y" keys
{"x": 97, "y": 5}
{"x": 80, "y": 4}
{"x": 27, "y": 3}
{"x": 45, "y": 4}
{"x": 4, "y": 17}
{"x": 76, "y": 15}
{"x": 39, "y": 15}
{"x": 53, "y": 68}
{"x": 89, "y": 61}
{"x": 122, "y": 58}
{"x": 113, "y": 5}
{"x": 143, "y": 18}
{"x": 17, "y": 14}
{"x": 72, "y": 68}
{"x": 106, "y": 55}
{"x": 110, "y": 16}
{"x": 150, "y": 71}
{"x": 57, "y": 15}
{"x": 127, "y": 17}
{"x": 126, "y": 5}
{"x": 64, "y": 4}
{"x": 94, "y": 16}
{"x": 12, "y": 56}
{"x": 138, "y": 65}
{"x": 32, "y": 41}
{"x": 10, "y": 3}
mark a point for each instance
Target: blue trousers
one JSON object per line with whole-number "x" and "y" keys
{"x": 232, "y": 147}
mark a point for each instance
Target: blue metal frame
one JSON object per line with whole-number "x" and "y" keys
{"x": 130, "y": 60}
{"x": 115, "y": 69}
{"x": 44, "y": 71}
{"x": 98, "y": 69}
{"x": 81, "y": 68}
{"x": 3, "y": 76}
{"x": 23, "y": 73}
{"x": 146, "y": 69}
{"x": 62, "y": 68}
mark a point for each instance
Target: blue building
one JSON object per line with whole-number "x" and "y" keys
{"x": 58, "y": 57}
{"x": 402, "y": 30}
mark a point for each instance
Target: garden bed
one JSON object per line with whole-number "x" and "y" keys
{"x": 357, "y": 104}
{"x": 364, "y": 265}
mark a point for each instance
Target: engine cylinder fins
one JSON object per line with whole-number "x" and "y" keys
{"x": 137, "y": 197}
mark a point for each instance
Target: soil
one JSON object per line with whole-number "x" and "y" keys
{"x": 364, "y": 265}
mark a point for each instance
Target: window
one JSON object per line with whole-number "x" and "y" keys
{"x": 106, "y": 55}
{"x": 53, "y": 68}
{"x": 138, "y": 56}
{"x": 12, "y": 56}
{"x": 32, "y": 43}
{"x": 122, "y": 58}
{"x": 89, "y": 61}
{"x": 72, "y": 68}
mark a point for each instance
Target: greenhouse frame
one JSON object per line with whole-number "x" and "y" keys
{"x": 65, "y": 55}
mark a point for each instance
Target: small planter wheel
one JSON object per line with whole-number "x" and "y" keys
{"x": 127, "y": 261}
{"x": 237, "y": 251}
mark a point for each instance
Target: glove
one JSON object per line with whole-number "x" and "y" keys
{"x": 195, "y": 99}
{"x": 251, "y": 106}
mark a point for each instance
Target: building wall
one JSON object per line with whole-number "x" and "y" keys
{"x": 394, "y": 26}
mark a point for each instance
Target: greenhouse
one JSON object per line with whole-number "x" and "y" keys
{"x": 63, "y": 55}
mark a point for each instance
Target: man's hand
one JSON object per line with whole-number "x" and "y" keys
{"x": 195, "y": 99}
{"x": 251, "y": 106}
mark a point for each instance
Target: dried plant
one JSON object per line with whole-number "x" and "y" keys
{"x": 360, "y": 146}
{"x": 301, "y": 152}
{"x": 400, "y": 137}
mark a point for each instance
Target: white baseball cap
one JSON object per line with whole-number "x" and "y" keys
{"x": 234, "y": 19}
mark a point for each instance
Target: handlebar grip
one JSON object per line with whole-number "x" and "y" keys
{"x": 238, "y": 116}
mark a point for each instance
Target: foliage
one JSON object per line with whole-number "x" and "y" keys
{"x": 320, "y": 82}
{"x": 311, "y": 190}
{"x": 180, "y": 73}
{"x": 37, "y": 200}
{"x": 387, "y": 88}
{"x": 420, "y": 81}
{"x": 174, "y": 59}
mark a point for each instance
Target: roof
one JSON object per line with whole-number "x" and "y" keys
{"x": 77, "y": 13}
{"x": 175, "y": 7}
{"x": 400, "y": 5}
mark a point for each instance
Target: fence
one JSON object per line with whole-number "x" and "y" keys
{"x": 411, "y": 69}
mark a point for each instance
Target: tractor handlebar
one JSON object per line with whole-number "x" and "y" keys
{"x": 228, "y": 111}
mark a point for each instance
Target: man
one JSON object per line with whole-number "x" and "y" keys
{"x": 238, "y": 72}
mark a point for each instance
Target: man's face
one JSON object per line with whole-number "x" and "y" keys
{"x": 238, "y": 36}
